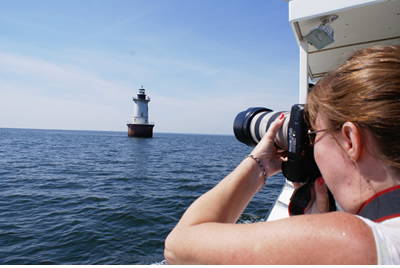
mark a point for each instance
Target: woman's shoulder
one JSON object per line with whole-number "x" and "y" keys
{"x": 328, "y": 238}
{"x": 387, "y": 239}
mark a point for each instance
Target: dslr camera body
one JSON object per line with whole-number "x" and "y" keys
{"x": 251, "y": 125}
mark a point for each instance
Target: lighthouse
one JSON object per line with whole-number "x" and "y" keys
{"x": 140, "y": 125}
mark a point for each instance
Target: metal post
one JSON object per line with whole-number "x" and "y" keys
{"x": 303, "y": 86}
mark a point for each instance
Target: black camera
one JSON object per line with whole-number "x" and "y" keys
{"x": 251, "y": 125}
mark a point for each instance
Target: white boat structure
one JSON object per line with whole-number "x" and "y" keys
{"x": 354, "y": 24}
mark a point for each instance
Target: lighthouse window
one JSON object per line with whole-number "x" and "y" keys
{"x": 142, "y": 115}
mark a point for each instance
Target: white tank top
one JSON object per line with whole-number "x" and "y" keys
{"x": 387, "y": 240}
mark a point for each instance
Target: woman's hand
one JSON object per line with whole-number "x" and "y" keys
{"x": 319, "y": 202}
{"x": 266, "y": 150}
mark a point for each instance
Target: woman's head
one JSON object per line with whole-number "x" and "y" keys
{"x": 364, "y": 90}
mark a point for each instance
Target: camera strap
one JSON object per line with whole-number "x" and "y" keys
{"x": 383, "y": 205}
{"x": 300, "y": 199}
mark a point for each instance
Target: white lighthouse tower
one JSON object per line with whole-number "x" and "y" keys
{"x": 140, "y": 125}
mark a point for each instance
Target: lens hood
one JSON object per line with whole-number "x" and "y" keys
{"x": 241, "y": 124}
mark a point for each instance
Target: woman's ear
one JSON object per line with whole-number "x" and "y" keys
{"x": 352, "y": 140}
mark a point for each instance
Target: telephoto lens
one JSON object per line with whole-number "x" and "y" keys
{"x": 251, "y": 125}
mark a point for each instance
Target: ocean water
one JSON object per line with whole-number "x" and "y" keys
{"x": 92, "y": 197}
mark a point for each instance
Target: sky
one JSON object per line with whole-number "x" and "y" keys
{"x": 75, "y": 65}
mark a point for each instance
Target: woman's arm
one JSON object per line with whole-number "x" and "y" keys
{"x": 207, "y": 233}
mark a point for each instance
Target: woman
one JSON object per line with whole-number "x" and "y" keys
{"x": 354, "y": 113}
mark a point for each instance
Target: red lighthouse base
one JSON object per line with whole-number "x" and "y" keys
{"x": 140, "y": 130}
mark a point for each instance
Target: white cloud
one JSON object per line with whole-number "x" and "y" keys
{"x": 42, "y": 94}
{"x": 30, "y": 111}
{"x": 43, "y": 76}
{"x": 207, "y": 114}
